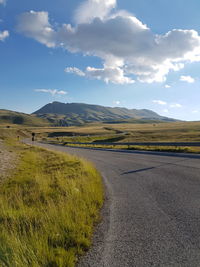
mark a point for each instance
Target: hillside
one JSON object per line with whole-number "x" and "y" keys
{"x": 78, "y": 113}
{"x": 8, "y": 117}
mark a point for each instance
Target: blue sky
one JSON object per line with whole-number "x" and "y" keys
{"x": 135, "y": 54}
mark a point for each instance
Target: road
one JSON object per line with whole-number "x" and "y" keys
{"x": 152, "y": 213}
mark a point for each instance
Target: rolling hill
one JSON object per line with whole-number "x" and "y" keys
{"x": 8, "y": 117}
{"x": 62, "y": 114}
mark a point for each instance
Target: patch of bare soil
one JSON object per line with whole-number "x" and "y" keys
{"x": 7, "y": 160}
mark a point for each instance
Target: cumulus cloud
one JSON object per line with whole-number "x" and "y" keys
{"x": 53, "y": 92}
{"x": 91, "y": 9}
{"x": 4, "y": 35}
{"x": 187, "y": 79}
{"x": 36, "y": 25}
{"x": 167, "y": 86}
{"x": 107, "y": 74}
{"x": 159, "y": 102}
{"x": 125, "y": 45}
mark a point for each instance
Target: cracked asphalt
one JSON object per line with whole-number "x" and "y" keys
{"x": 151, "y": 215}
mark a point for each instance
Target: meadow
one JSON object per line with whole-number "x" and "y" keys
{"x": 173, "y": 131}
{"x": 126, "y": 132}
{"x": 49, "y": 206}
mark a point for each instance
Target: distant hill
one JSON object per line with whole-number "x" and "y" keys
{"x": 8, "y": 117}
{"x": 77, "y": 113}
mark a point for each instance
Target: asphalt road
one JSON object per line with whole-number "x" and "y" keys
{"x": 152, "y": 212}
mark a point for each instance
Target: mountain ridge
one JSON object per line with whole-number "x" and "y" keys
{"x": 78, "y": 113}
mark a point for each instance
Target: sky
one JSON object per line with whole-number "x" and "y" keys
{"x": 135, "y": 54}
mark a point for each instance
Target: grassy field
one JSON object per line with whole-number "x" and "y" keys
{"x": 126, "y": 132}
{"x": 176, "y": 131}
{"x": 13, "y": 134}
{"x": 48, "y": 208}
{"x": 123, "y": 132}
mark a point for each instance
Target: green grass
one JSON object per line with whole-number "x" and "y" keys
{"x": 48, "y": 209}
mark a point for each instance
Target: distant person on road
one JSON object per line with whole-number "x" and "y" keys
{"x": 33, "y": 137}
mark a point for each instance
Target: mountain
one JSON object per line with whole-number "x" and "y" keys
{"x": 77, "y": 113}
{"x": 8, "y": 117}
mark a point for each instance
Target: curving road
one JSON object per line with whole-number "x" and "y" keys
{"x": 152, "y": 212}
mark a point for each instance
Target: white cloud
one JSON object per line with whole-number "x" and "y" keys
{"x": 4, "y": 35}
{"x": 163, "y": 103}
{"x": 159, "y": 102}
{"x": 176, "y": 105}
{"x": 167, "y": 86}
{"x": 195, "y": 111}
{"x": 117, "y": 102}
{"x": 36, "y": 25}
{"x": 124, "y": 44}
{"x": 91, "y": 9}
{"x": 75, "y": 71}
{"x": 61, "y": 92}
{"x": 53, "y": 92}
{"x": 107, "y": 74}
{"x": 187, "y": 79}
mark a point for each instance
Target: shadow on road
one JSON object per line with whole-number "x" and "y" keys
{"x": 151, "y": 168}
{"x": 140, "y": 170}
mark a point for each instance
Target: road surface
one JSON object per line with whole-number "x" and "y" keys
{"x": 152, "y": 212}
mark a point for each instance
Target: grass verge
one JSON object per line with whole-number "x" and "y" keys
{"x": 195, "y": 150}
{"x": 48, "y": 209}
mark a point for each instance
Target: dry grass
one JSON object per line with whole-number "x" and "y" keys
{"x": 176, "y": 131}
{"x": 131, "y": 132}
{"x": 48, "y": 209}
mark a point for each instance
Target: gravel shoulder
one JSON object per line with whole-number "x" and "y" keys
{"x": 7, "y": 160}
